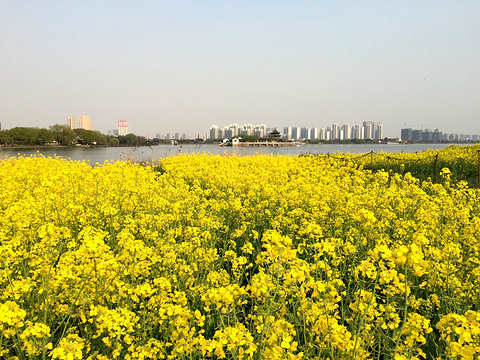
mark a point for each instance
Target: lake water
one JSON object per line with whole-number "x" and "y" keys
{"x": 101, "y": 154}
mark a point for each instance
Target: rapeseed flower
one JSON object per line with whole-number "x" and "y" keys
{"x": 238, "y": 258}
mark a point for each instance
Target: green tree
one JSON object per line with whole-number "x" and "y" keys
{"x": 130, "y": 139}
{"x": 44, "y": 136}
{"x": 5, "y": 137}
{"x": 92, "y": 137}
{"x": 24, "y": 135}
{"x": 112, "y": 140}
{"x": 141, "y": 141}
{"x": 63, "y": 135}
{"x": 100, "y": 139}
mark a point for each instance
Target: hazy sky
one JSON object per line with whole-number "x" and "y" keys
{"x": 181, "y": 66}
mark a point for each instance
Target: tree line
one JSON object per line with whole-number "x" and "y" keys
{"x": 63, "y": 135}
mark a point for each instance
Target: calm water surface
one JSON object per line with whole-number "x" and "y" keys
{"x": 155, "y": 153}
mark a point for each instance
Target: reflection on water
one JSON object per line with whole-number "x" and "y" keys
{"x": 155, "y": 153}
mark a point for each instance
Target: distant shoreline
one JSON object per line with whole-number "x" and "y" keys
{"x": 10, "y": 147}
{"x": 3, "y": 146}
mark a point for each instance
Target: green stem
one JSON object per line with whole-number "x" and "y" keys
{"x": 405, "y": 312}
{"x": 364, "y": 315}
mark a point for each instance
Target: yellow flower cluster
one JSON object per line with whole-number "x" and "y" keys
{"x": 226, "y": 257}
{"x": 461, "y": 333}
{"x": 11, "y": 316}
{"x": 458, "y": 163}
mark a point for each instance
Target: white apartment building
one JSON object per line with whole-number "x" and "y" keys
{"x": 123, "y": 127}
{"x": 357, "y": 132}
{"x": 334, "y": 132}
{"x": 346, "y": 132}
{"x": 322, "y": 134}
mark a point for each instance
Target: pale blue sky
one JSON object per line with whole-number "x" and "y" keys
{"x": 181, "y": 66}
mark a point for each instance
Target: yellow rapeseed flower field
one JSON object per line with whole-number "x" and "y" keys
{"x": 226, "y": 257}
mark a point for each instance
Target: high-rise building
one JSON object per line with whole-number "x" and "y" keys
{"x": 346, "y": 132}
{"x": 287, "y": 133}
{"x": 230, "y": 133}
{"x": 406, "y": 134}
{"x": 322, "y": 134}
{"x": 417, "y": 135}
{"x": 235, "y": 128}
{"x": 246, "y": 129}
{"x": 328, "y": 134}
{"x": 438, "y": 136}
{"x": 214, "y": 132}
{"x": 334, "y": 132}
{"x": 123, "y": 127}
{"x": 427, "y": 135}
{"x": 263, "y": 129}
{"x": 260, "y": 130}
{"x": 377, "y": 131}
{"x": 368, "y": 130}
{"x": 84, "y": 122}
{"x": 357, "y": 132}
{"x": 296, "y": 133}
{"x": 305, "y": 133}
{"x": 72, "y": 122}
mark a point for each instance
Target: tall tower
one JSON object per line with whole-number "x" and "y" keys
{"x": 378, "y": 131}
{"x": 334, "y": 134}
{"x": 296, "y": 133}
{"x": 84, "y": 122}
{"x": 357, "y": 132}
{"x": 305, "y": 133}
{"x": 368, "y": 130}
{"x": 287, "y": 132}
{"x": 214, "y": 132}
{"x": 322, "y": 134}
{"x": 347, "y": 134}
{"x": 123, "y": 127}
{"x": 72, "y": 122}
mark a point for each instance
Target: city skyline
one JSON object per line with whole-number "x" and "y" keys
{"x": 336, "y": 132}
{"x": 368, "y": 130}
{"x": 179, "y": 67}
{"x": 322, "y": 133}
